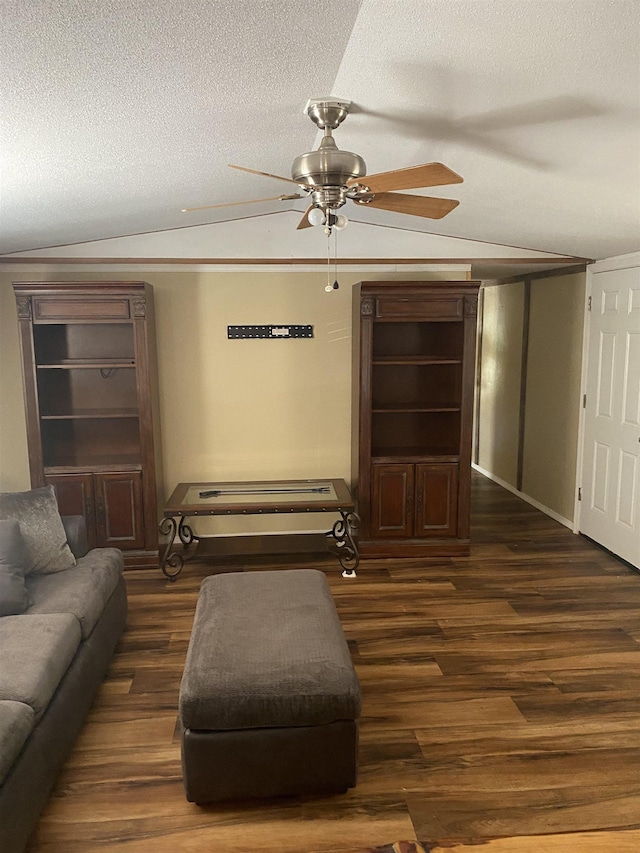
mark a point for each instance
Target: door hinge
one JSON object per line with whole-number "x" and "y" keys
{"x": 580, "y": 494}
{"x": 584, "y": 401}
{"x": 589, "y": 304}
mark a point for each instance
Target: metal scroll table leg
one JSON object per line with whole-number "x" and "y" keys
{"x": 186, "y": 534}
{"x": 343, "y": 532}
{"x": 169, "y": 527}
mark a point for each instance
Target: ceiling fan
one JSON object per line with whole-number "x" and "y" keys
{"x": 330, "y": 177}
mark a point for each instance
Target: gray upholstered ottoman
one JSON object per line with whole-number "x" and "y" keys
{"x": 269, "y": 701}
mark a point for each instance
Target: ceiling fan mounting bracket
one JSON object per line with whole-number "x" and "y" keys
{"x": 327, "y": 112}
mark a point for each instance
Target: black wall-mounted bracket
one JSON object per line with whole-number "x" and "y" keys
{"x": 281, "y": 331}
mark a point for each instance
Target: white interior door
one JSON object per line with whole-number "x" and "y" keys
{"x": 610, "y": 506}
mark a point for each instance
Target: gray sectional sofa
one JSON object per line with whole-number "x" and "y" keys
{"x": 57, "y": 636}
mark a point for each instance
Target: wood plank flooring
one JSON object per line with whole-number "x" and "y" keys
{"x": 501, "y": 709}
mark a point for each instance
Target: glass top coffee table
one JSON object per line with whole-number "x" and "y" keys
{"x": 259, "y": 497}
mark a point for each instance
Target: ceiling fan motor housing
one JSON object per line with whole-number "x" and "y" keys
{"x": 328, "y": 169}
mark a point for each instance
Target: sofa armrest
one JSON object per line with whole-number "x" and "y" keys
{"x": 75, "y": 528}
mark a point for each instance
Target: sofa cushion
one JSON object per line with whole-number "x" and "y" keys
{"x": 16, "y": 722}
{"x": 83, "y": 590}
{"x": 35, "y": 652}
{"x": 41, "y": 528}
{"x": 14, "y": 597}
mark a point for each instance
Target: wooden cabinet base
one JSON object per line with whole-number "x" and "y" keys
{"x": 413, "y": 548}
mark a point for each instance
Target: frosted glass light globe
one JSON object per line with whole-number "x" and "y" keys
{"x": 316, "y": 216}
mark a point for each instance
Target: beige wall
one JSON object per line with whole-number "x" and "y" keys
{"x": 553, "y": 391}
{"x": 14, "y": 464}
{"x": 500, "y": 380}
{"x": 230, "y": 409}
{"x": 552, "y": 386}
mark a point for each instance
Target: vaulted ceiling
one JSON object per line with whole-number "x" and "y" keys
{"x": 118, "y": 114}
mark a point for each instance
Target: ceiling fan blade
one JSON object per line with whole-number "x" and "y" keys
{"x": 415, "y": 205}
{"x": 304, "y": 222}
{"x": 264, "y": 174}
{"x": 249, "y": 201}
{"x": 427, "y": 175}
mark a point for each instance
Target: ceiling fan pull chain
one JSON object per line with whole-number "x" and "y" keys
{"x": 329, "y": 286}
{"x": 335, "y": 256}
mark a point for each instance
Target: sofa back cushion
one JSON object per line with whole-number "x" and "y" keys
{"x": 41, "y": 527}
{"x": 14, "y": 597}
{"x": 84, "y": 590}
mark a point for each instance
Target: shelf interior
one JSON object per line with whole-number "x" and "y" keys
{"x": 88, "y": 442}
{"x": 433, "y": 340}
{"x": 60, "y": 344}
{"x": 69, "y": 393}
{"x": 414, "y": 386}
{"x": 425, "y": 433}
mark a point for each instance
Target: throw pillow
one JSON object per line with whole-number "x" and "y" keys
{"x": 41, "y": 527}
{"x": 14, "y": 597}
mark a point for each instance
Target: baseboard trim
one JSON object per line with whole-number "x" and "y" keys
{"x": 545, "y": 509}
{"x": 141, "y": 559}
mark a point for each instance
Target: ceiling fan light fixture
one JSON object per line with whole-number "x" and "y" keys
{"x": 316, "y": 216}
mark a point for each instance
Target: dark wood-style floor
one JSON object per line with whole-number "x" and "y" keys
{"x": 501, "y": 710}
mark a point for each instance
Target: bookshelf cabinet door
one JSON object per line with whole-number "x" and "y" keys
{"x": 392, "y": 501}
{"x": 119, "y": 519}
{"x": 75, "y": 496}
{"x": 436, "y": 499}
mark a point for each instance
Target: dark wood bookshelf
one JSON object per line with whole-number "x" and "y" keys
{"x": 414, "y": 346}
{"x": 90, "y": 398}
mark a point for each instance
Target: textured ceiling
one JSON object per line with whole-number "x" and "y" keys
{"x": 117, "y": 114}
